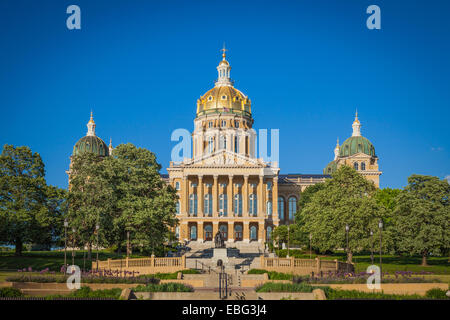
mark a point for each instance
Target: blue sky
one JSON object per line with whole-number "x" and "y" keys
{"x": 306, "y": 65}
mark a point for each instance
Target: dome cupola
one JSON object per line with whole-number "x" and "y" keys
{"x": 356, "y": 143}
{"x": 91, "y": 143}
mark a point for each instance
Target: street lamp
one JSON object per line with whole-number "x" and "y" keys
{"x": 380, "y": 225}
{"x": 97, "y": 227}
{"x": 73, "y": 246}
{"x": 347, "y": 228}
{"x": 371, "y": 246}
{"x": 289, "y": 240}
{"x": 310, "y": 237}
{"x": 66, "y": 224}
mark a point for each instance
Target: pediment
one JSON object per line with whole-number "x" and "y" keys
{"x": 225, "y": 158}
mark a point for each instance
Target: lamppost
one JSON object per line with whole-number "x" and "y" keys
{"x": 371, "y": 246}
{"x": 346, "y": 232}
{"x": 310, "y": 237}
{"x": 289, "y": 240}
{"x": 66, "y": 224}
{"x": 97, "y": 227}
{"x": 73, "y": 246}
{"x": 380, "y": 225}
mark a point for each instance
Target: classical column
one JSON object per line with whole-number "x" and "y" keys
{"x": 215, "y": 228}
{"x": 230, "y": 231}
{"x": 215, "y": 196}
{"x": 185, "y": 197}
{"x": 184, "y": 231}
{"x": 200, "y": 196}
{"x": 275, "y": 201}
{"x": 261, "y": 232}
{"x": 246, "y": 231}
{"x": 245, "y": 195}
{"x": 260, "y": 210}
{"x": 200, "y": 236}
{"x": 230, "y": 197}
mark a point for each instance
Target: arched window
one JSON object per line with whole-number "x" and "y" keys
{"x": 292, "y": 207}
{"x": 223, "y": 204}
{"x": 211, "y": 144}
{"x": 363, "y": 166}
{"x": 281, "y": 208}
{"x": 253, "y": 206}
{"x": 253, "y": 233}
{"x": 193, "y": 233}
{"x": 208, "y": 204}
{"x": 237, "y": 232}
{"x": 208, "y": 232}
{"x": 355, "y": 165}
{"x": 177, "y": 232}
{"x": 269, "y": 208}
{"x": 223, "y": 228}
{"x": 238, "y": 204}
{"x": 269, "y": 233}
{"x": 193, "y": 204}
{"x": 177, "y": 207}
{"x": 236, "y": 144}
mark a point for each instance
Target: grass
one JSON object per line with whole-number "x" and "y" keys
{"x": 390, "y": 263}
{"x": 273, "y": 275}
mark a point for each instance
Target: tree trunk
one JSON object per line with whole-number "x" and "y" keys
{"x": 349, "y": 257}
{"x": 89, "y": 251}
{"x": 424, "y": 259}
{"x": 119, "y": 249}
{"x": 19, "y": 247}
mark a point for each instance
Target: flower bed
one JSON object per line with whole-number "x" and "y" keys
{"x": 164, "y": 287}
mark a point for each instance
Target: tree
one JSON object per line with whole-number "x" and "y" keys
{"x": 29, "y": 208}
{"x": 144, "y": 206}
{"x": 422, "y": 216}
{"x": 90, "y": 199}
{"x": 283, "y": 234}
{"x": 387, "y": 198}
{"x": 346, "y": 199}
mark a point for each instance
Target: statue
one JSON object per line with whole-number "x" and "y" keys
{"x": 219, "y": 241}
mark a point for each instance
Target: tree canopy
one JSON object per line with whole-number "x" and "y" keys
{"x": 30, "y": 210}
{"x": 422, "y": 217}
{"x": 346, "y": 199}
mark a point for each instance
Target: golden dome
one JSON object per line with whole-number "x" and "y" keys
{"x": 224, "y": 62}
{"x": 224, "y": 99}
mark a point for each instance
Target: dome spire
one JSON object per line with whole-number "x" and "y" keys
{"x": 110, "y": 147}
{"x": 223, "y": 70}
{"x": 356, "y": 126}
{"x": 91, "y": 126}
{"x": 337, "y": 149}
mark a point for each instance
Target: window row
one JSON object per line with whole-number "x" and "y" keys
{"x": 356, "y": 166}
{"x": 292, "y": 208}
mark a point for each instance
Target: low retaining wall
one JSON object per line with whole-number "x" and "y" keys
{"x": 391, "y": 288}
{"x": 150, "y": 265}
{"x": 304, "y": 266}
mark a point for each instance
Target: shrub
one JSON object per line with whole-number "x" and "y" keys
{"x": 84, "y": 279}
{"x": 273, "y": 275}
{"x": 87, "y": 292}
{"x": 164, "y": 287}
{"x": 285, "y": 287}
{"x": 9, "y": 292}
{"x": 336, "y": 294}
{"x": 436, "y": 293}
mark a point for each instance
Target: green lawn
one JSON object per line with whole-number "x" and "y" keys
{"x": 39, "y": 260}
{"x": 437, "y": 265}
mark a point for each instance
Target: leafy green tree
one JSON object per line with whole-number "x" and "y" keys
{"x": 287, "y": 235}
{"x": 144, "y": 206}
{"x": 90, "y": 200}
{"x": 422, "y": 216}
{"x": 30, "y": 210}
{"x": 346, "y": 199}
{"x": 387, "y": 198}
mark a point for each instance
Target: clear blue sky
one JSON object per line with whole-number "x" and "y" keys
{"x": 306, "y": 65}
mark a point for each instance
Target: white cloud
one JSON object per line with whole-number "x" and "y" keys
{"x": 447, "y": 177}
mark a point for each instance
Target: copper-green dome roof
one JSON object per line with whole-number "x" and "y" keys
{"x": 357, "y": 144}
{"x": 91, "y": 144}
{"x": 330, "y": 168}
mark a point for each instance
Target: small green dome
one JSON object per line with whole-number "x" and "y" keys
{"x": 357, "y": 144}
{"x": 330, "y": 168}
{"x": 91, "y": 144}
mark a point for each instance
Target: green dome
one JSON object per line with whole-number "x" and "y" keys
{"x": 357, "y": 144}
{"x": 330, "y": 168}
{"x": 91, "y": 144}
